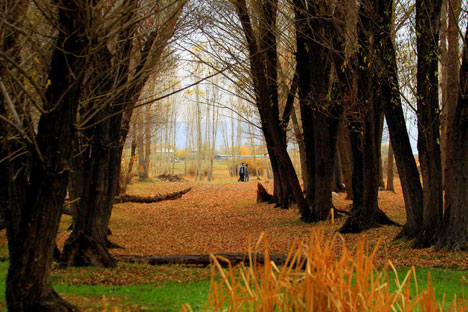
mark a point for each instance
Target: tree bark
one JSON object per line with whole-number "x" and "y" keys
{"x": 263, "y": 65}
{"x": 364, "y": 132}
{"x": 338, "y": 175}
{"x": 319, "y": 115}
{"x": 427, "y": 28}
{"x": 154, "y": 199}
{"x": 225, "y": 259}
{"x": 300, "y": 143}
{"x": 405, "y": 162}
{"x": 344, "y": 148}
{"x": 453, "y": 233}
{"x": 453, "y": 69}
{"x": 36, "y": 193}
{"x": 390, "y": 186}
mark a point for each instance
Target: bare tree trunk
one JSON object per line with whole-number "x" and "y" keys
{"x": 37, "y": 182}
{"x": 390, "y": 186}
{"x": 338, "y": 175}
{"x": 453, "y": 233}
{"x": 443, "y": 90}
{"x": 427, "y": 28}
{"x": 140, "y": 134}
{"x": 344, "y": 148}
{"x": 148, "y": 138}
{"x": 453, "y": 66}
{"x": 302, "y": 153}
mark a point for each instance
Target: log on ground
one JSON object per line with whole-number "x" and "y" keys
{"x": 205, "y": 260}
{"x": 140, "y": 199}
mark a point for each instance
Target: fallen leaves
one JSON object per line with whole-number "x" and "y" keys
{"x": 218, "y": 218}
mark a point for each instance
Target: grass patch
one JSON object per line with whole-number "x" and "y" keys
{"x": 136, "y": 287}
{"x": 446, "y": 282}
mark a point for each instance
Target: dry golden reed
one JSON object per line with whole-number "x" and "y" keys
{"x": 315, "y": 279}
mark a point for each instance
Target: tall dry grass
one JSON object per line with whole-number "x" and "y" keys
{"x": 315, "y": 279}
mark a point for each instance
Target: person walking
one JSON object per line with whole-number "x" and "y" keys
{"x": 241, "y": 173}
{"x": 246, "y": 173}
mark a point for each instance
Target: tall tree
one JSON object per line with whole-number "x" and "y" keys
{"x": 320, "y": 112}
{"x": 262, "y": 49}
{"x": 393, "y": 108}
{"x": 364, "y": 132}
{"x": 453, "y": 233}
{"x": 451, "y": 65}
{"x": 37, "y": 155}
{"x": 108, "y": 123}
{"x": 427, "y": 33}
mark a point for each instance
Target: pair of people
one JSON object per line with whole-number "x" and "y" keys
{"x": 243, "y": 173}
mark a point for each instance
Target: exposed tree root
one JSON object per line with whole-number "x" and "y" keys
{"x": 83, "y": 250}
{"x": 140, "y": 199}
{"x": 112, "y": 245}
{"x": 424, "y": 239}
{"x": 262, "y": 194}
{"x": 224, "y": 259}
{"x": 50, "y": 303}
{"x": 358, "y": 223}
{"x": 406, "y": 233}
{"x": 452, "y": 240}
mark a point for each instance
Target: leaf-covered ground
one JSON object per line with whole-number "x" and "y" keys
{"x": 219, "y": 217}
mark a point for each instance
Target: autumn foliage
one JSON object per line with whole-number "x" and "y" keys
{"x": 314, "y": 279}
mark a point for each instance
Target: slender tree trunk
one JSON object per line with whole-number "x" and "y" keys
{"x": 405, "y": 162}
{"x": 379, "y": 133}
{"x": 390, "y": 186}
{"x": 140, "y": 143}
{"x": 300, "y": 143}
{"x": 148, "y": 137}
{"x": 344, "y": 148}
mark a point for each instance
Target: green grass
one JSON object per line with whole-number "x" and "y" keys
{"x": 95, "y": 289}
{"x": 80, "y": 287}
{"x": 445, "y": 281}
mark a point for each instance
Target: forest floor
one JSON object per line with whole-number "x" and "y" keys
{"x": 219, "y": 217}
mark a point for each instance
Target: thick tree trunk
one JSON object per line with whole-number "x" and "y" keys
{"x": 87, "y": 242}
{"x": 427, "y": 28}
{"x": 452, "y": 69}
{"x": 443, "y": 83}
{"x": 365, "y": 212}
{"x": 390, "y": 186}
{"x": 37, "y": 196}
{"x": 453, "y": 233}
